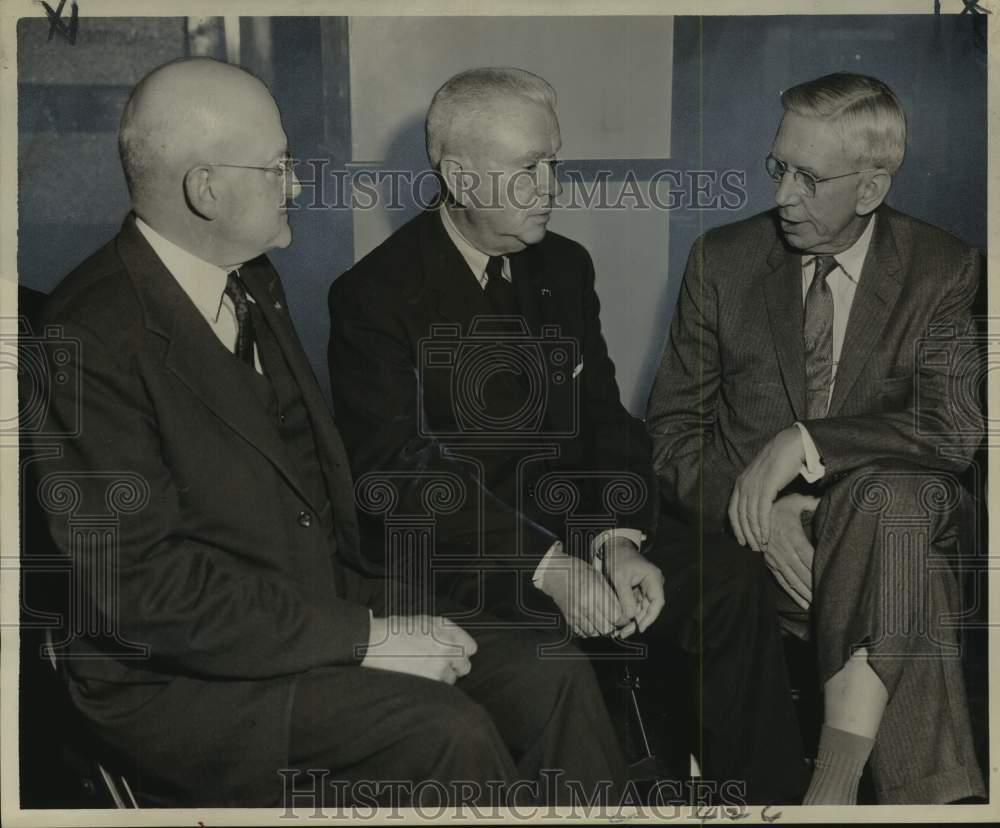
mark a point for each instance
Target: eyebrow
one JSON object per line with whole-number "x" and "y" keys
{"x": 535, "y": 157}
{"x": 806, "y": 169}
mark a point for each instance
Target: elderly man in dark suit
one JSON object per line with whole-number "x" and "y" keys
{"x": 807, "y": 395}
{"x": 468, "y": 347}
{"x": 230, "y": 626}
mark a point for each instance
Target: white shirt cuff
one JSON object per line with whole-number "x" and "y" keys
{"x": 813, "y": 469}
{"x": 548, "y": 559}
{"x": 551, "y": 557}
{"x": 610, "y": 535}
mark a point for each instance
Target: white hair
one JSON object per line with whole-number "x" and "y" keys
{"x": 864, "y": 110}
{"x": 462, "y": 102}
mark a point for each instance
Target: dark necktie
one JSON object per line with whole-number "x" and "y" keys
{"x": 817, "y": 332}
{"x": 244, "y": 324}
{"x": 499, "y": 292}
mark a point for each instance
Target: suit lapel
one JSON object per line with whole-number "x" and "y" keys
{"x": 459, "y": 297}
{"x": 876, "y": 295}
{"x": 783, "y": 295}
{"x": 527, "y": 271}
{"x": 264, "y": 285}
{"x": 195, "y": 355}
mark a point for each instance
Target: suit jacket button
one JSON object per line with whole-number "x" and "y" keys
{"x": 305, "y": 520}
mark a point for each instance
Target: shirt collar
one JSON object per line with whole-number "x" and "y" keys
{"x": 203, "y": 282}
{"x": 852, "y": 260}
{"x": 474, "y": 257}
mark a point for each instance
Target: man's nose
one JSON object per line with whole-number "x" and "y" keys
{"x": 548, "y": 181}
{"x": 293, "y": 184}
{"x": 788, "y": 191}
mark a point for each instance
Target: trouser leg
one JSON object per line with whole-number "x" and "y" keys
{"x": 882, "y": 579}
{"x": 719, "y": 608}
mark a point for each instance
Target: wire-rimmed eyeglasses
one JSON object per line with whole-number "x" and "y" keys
{"x": 285, "y": 167}
{"x": 806, "y": 181}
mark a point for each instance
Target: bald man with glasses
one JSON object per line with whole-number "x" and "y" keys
{"x": 810, "y": 402}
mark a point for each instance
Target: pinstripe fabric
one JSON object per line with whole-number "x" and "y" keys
{"x": 733, "y": 372}
{"x": 733, "y": 375}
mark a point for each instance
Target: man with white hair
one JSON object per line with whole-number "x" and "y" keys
{"x": 226, "y": 633}
{"x": 815, "y": 393}
{"x": 468, "y": 346}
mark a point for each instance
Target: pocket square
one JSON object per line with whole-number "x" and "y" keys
{"x": 578, "y": 369}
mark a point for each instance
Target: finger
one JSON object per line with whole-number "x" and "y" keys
{"x": 796, "y": 572}
{"x": 654, "y": 590}
{"x": 804, "y": 552}
{"x": 626, "y": 598}
{"x": 748, "y": 531}
{"x": 600, "y": 623}
{"x": 626, "y": 631}
{"x": 803, "y": 575}
{"x": 752, "y": 511}
{"x": 583, "y": 622}
{"x": 799, "y": 592}
{"x": 642, "y": 612}
{"x": 652, "y": 615}
{"x": 764, "y": 505}
{"x": 734, "y": 517}
{"x": 461, "y": 666}
{"x": 601, "y": 604}
{"x": 450, "y": 631}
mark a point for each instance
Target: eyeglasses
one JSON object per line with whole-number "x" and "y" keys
{"x": 777, "y": 168}
{"x": 285, "y": 167}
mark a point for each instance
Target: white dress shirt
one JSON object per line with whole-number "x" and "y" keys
{"x": 474, "y": 257}
{"x": 843, "y": 281}
{"x": 205, "y": 285}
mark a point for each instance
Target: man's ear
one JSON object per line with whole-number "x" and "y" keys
{"x": 457, "y": 179}
{"x": 872, "y": 190}
{"x": 198, "y": 192}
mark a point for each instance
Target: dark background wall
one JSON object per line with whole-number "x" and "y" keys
{"x": 727, "y": 75}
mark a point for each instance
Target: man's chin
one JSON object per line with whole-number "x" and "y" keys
{"x": 794, "y": 237}
{"x": 283, "y": 239}
{"x": 534, "y": 235}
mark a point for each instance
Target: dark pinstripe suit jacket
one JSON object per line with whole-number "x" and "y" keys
{"x": 230, "y": 595}
{"x": 732, "y": 373}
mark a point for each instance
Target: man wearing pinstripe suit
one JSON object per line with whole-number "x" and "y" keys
{"x": 807, "y": 399}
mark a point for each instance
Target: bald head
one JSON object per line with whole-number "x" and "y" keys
{"x": 185, "y": 113}
{"x": 205, "y": 157}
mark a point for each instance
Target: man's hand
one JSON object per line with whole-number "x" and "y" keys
{"x": 774, "y": 467}
{"x": 586, "y": 600}
{"x": 789, "y": 555}
{"x": 638, "y": 583}
{"x": 421, "y": 645}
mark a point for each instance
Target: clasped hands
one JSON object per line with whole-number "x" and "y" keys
{"x": 774, "y": 526}
{"x": 436, "y": 648}
{"x": 628, "y": 597}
